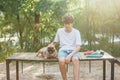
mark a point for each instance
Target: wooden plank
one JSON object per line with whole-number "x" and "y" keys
{"x": 31, "y": 56}
{"x": 25, "y": 56}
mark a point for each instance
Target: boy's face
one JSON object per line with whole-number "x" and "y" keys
{"x": 69, "y": 25}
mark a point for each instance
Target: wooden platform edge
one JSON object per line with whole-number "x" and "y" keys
{"x": 117, "y": 61}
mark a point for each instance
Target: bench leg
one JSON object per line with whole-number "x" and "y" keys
{"x": 89, "y": 66}
{"x": 17, "y": 70}
{"x": 8, "y": 69}
{"x": 22, "y": 66}
{"x": 67, "y": 67}
{"x": 43, "y": 67}
{"x": 104, "y": 69}
{"x": 112, "y": 69}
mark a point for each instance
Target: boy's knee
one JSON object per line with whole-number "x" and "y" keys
{"x": 75, "y": 59}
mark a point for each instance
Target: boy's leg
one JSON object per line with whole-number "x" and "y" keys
{"x": 62, "y": 65}
{"x": 75, "y": 60}
{"x": 62, "y": 68}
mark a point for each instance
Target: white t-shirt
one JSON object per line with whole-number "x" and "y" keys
{"x": 68, "y": 41}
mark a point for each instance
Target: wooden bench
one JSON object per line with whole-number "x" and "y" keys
{"x": 31, "y": 56}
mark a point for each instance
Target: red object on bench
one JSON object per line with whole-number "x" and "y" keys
{"x": 88, "y": 52}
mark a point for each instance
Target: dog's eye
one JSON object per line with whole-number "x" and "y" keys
{"x": 49, "y": 48}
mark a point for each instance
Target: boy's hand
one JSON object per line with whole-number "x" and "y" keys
{"x": 67, "y": 59}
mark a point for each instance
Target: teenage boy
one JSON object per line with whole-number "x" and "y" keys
{"x": 69, "y": 39}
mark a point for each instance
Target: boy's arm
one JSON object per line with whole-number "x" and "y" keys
{"x": 68, "y": 58}
{"x": 54, "y": 43}
{"x": 76, "y": 50}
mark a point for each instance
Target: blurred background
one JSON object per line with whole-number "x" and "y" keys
{"x": 28, "y": 25}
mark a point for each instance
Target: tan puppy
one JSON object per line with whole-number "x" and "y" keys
{"x": 48, "y": 52}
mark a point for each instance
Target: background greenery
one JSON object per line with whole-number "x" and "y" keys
{"x": 27, "y": 25}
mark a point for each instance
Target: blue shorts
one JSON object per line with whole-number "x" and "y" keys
{"x": 64, "y": 53}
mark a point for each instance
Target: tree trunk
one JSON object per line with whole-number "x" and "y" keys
{"x": 37, "y": 16}
{"x": 20, "y": 31}
{"x": 36, "y": 29}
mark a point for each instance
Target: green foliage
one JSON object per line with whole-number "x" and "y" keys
{"x": 6, "y": 49}
{"x": 43, "y": 6}
{"x": 17, "y": 20}
{"x": 19, "y": 16}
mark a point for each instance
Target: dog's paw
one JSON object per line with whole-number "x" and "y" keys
{"x": 38, "y": 54}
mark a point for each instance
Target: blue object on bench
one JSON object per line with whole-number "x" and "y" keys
{"x": 96, "y": 54}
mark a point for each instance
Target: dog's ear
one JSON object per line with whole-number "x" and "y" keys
{"x": 51, "y": 45}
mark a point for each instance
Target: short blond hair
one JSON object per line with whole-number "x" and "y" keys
{"x": 68, "y": 18}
